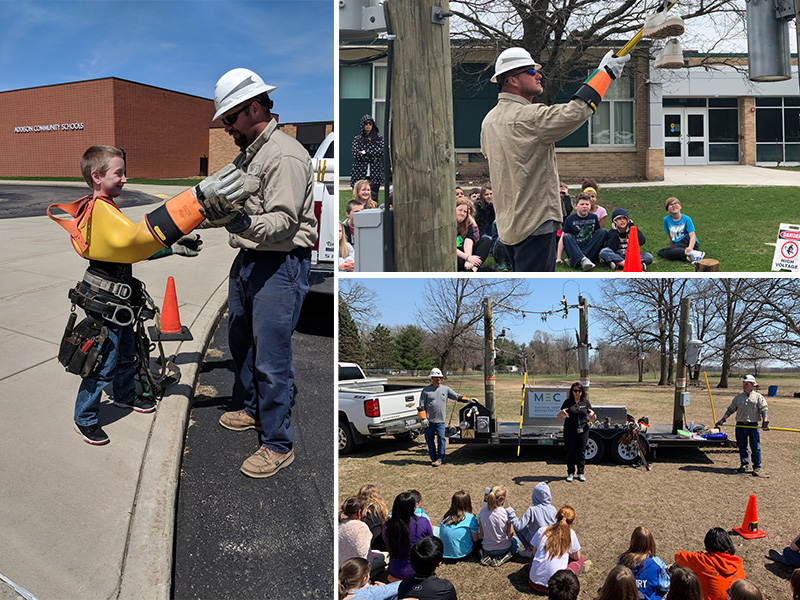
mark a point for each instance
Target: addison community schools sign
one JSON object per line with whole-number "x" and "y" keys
{"x": 55, "y": 127}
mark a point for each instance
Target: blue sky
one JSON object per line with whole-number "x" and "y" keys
{"x": 399, "y": 297}
{"x": 177, "y": 45}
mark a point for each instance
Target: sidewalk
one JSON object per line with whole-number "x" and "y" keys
{"x": 79, "y": 521}
{"x": 704, "y": 175}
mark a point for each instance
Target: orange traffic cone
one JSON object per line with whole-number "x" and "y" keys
{"x": 749, "y": 529}
{"x": 633, "y": 256}
{"x": 171, "y": 328}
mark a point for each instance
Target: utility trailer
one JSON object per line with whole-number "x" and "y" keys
{"x": 541, "y": 427}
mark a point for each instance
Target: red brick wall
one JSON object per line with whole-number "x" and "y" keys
{"x": 164, "y": 133}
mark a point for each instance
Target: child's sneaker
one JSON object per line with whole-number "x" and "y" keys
{"x": 661, "y": 25}
{"x": 568, "y": 262}
{"x": 644, "y": 266}
{"x": 586, "y": 264}
{"x": 613, "y": 265}
{"x": 138, "y": 404}
{"x": 92, "y": 434}
{"x": 486, "y": 560}
{"x": 501, "y": 560}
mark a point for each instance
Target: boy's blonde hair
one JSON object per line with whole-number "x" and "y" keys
{"x": 97, "y": 158}
{"x": 670, "y": 201}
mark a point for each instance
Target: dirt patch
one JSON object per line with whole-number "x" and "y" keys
{"x": 686, "y": 493}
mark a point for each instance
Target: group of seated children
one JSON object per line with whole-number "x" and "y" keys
{"x": 477, "y": 231}
{"x": 587, "y": 242}
{"x": 362, "y": 198}
{"x": 544, "y": 535}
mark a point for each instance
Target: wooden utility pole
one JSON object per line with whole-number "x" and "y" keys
{"x": 488, "y": 360}
{"x": 583, "y": 343}
{"x": 423, "y": 154}
{"x": 678, "y": 412}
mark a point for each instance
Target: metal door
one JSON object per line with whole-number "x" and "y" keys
{"x": 685, "y": 136}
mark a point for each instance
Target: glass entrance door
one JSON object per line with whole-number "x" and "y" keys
{"x": 685, "y": 136}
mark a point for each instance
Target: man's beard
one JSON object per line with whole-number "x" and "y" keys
{"x": 240, "y": 140}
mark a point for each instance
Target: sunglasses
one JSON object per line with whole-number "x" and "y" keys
{"x": 231, "y": 118}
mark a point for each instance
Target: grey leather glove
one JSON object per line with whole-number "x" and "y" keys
{"x": 613, "y": 65}
{"x": 223, "y": 194}
{"x": 188, "y": 245}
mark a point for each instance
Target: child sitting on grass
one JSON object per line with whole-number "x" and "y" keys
{"x": 684, "y": 244}
{"x": 426, "y": 556}
{"x": 499, "y": 543}
{"x": 617, "y": 241}
{"x": 582, "y": 236}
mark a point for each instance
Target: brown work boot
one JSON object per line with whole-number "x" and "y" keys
{"x": 266, "y": 462}
{"x": 238, "y": 420}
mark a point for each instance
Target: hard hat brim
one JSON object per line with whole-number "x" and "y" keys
{"x": 533, "y": 64}
{"x": 268, "y": 89}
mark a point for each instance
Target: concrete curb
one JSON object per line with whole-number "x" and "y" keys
{"x": 147, "y": 564}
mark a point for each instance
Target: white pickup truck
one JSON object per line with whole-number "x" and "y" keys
{"x": 326, "y": 202}
{"x": 372, "y": 407}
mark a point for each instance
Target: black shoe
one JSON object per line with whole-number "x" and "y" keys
{"x": 139, "y": 404}
{"x": 92, "y": 434}
{"x": 743, "y": 469}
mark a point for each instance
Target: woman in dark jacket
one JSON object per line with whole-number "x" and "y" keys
{"x": 368, "y": 156}
{"x": 576, "y": 412}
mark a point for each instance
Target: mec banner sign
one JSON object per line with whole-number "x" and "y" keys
{"x": 787, "y": 249}
{"x": 543, "y": 404}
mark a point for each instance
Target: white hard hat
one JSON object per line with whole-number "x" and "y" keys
{"x": 511, "y": 60}
{"x": 749, "y": 379}
{"x": 435, "y": 373}
{"x": 236, "y": 86}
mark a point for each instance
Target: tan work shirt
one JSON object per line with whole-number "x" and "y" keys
{"x": 282, "y": 211}
{"x": 518, "y": 138}
{"x": 748, "y": 407}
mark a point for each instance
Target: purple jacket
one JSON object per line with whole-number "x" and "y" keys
{"x": 419, "y": 528}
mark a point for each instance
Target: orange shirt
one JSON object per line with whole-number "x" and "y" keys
{"x": 716, "y": 571}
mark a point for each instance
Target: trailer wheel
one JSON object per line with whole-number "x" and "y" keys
{"x": 346, "y": 441}
{"x": 595, "y": 449}
{"x": 627, "y": 454}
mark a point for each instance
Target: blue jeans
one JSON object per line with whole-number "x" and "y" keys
{"x": 266, "y": 291}
{"x": 435, "y": 432}
{"x": 743, "y": 435}
{"x": 513, "y": 549}
{"x": 791, "y": 556}
{"x": 608, "y": 255}
{"x": 117, "y": 368}
{"x": 591, "y": 249}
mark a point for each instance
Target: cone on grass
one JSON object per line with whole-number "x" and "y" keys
{"x": 749, "y": 529}
{"x": 170, "y": 328}
{"x": 633, "y": 256}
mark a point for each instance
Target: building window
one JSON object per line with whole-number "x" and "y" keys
{"x": 613, "y": 122}
{"x": 379, "y": 97}
{"x": 778, "y": 130}
{"x": 723, "y": 133}
{"x": 354, "y": 82}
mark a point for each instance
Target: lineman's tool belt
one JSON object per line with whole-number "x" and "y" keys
{"x": 99, "y": 230}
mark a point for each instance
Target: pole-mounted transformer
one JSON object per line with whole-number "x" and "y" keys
{"x": 768, "y": 47}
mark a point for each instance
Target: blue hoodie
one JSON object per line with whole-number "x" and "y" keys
{"x": 540, "y": 514}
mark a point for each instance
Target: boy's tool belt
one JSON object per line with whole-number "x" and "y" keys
{"x": 81, "y": 348}
{"x": 100, "y": 231}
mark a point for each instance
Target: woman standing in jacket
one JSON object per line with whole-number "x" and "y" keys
{"x": 368, "y": 156}
{"x": 576, "y": 412}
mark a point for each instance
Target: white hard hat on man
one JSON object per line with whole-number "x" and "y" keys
{"x": 237, "y": 86}
{"x": 511, "y": 60}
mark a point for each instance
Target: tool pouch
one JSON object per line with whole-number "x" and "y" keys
{"x": 81, "y": 349}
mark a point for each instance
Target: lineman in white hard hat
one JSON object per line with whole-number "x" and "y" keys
{"x": 269, "y": 277}
{"x": 518, "y": 139}
{"x": 748, "y": 406}
{"x": 434, "y": 401}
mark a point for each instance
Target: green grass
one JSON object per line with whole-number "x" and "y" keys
{"x": 137, "y": 180}
{"x": 734, "y": 224}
